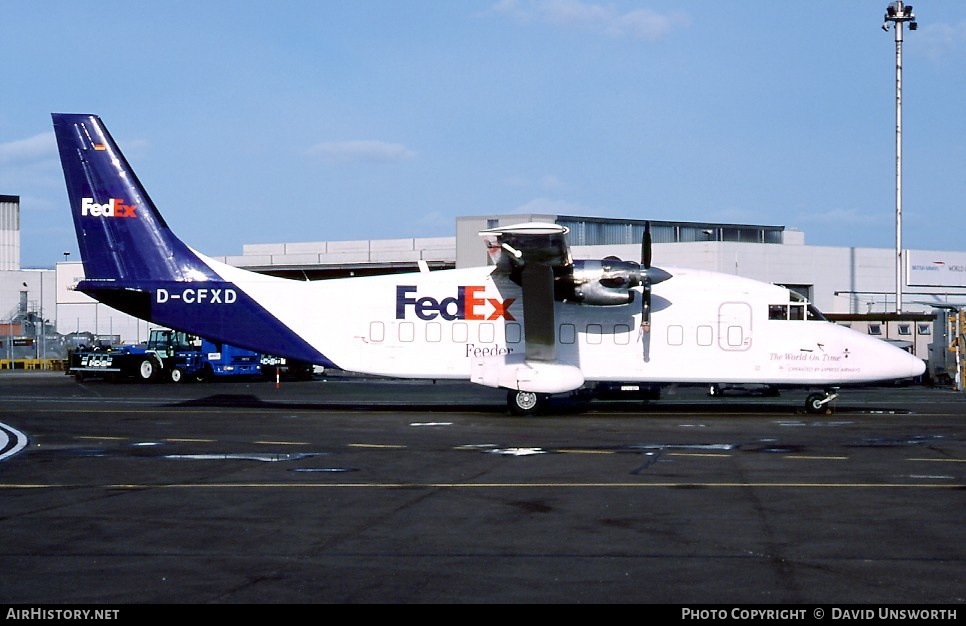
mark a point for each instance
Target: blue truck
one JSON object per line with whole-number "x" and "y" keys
{"x": 167, "y": 355}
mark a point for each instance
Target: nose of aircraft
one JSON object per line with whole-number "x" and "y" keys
{"x": 897, "y": 363}
{"x": 916, "y": 365}
{"x": 881, "y": 360}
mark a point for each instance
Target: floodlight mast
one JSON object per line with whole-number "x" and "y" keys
{"x": 898, "y": 13}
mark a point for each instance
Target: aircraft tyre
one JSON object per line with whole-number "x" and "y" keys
{"x": 816, "y": 405}
{"x": 148, "y": 370}
{"x": 524, "y": 403}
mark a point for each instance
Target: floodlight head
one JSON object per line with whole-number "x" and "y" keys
{"x": 913, "y": 25}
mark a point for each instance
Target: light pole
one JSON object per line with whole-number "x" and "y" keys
{"x": 898, "y": 13}
{"x": 43, "y": 326}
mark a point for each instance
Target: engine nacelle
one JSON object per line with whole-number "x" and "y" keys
{"x": 605, "y": 283}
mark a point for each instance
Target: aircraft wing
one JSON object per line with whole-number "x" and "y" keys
{"x": 536, "y": 256}
{"x": 511, "y": 247}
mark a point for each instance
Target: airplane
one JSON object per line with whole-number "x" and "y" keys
{"x": 533, "y": 321}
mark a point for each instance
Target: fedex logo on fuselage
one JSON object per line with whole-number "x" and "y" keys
{"x": 114, "y": 207}
{"x": 468, "y": 304}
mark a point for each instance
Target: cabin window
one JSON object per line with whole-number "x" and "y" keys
{"x": 905, "y": 329}
{"x": 705, "y": 335}
{"x": 568, "y": 333}
{"x": 377, "y": 331}
{"x": 407, "y": 331}
{"x": 513, "y": 333}
{"x": 594, "y": 333}
{"x": 675, "y": 335}
{"x": 796, "y": 312}
{"x": 622, "y": 334}
{"x": 434, "y": 332}
{"x": 924, "y": 329}
{"x": 459, "y": 332}
{"x": 875, "y": 329}
{"x": 777, "y": 312}
{"x": 486, "y": 333}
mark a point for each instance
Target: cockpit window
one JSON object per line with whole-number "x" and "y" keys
{"x": 777, "y": 312}
{"x": 798, "y": 309}
{"x": 814, "y": 315}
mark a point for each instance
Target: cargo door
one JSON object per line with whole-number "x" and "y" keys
{"x": 734, "y": 326}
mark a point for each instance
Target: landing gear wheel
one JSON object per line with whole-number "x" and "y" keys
{"x": 525, "y": 402}
{"x": 817, "y": 404}
{"x": 148, "y": 370}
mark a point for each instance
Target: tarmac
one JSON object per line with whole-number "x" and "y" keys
{"x": 352, "y": 490}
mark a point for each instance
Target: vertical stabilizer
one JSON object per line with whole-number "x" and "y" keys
{"x": 121, "y": 236}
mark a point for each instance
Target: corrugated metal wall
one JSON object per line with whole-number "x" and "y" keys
{"x": 9, "y": 233}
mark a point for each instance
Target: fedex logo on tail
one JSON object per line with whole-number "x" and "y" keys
{"x": 468, "y": 304}
{"x": 114, "y": 207}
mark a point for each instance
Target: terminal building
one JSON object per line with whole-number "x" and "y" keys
{"x": 852, "y": 286}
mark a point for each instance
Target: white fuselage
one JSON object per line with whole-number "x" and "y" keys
{"x": 705, "y": 328}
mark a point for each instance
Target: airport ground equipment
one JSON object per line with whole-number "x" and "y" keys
{"x": 167, "y": 355}
{"x": 280, "y": 367}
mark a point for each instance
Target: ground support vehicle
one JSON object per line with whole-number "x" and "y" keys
{"x": 277, "y": 368}
{"x": 167, "y": 356}
{"x": 214, "y": 361}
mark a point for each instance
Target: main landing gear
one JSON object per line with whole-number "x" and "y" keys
{"x": 821, "y": 403}
{"x": 525, "y": 402}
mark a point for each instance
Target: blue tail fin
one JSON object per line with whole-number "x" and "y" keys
{"x": 122, "y": 238}
{"x": 134, "y": 263}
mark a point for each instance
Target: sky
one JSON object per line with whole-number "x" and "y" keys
{"x": 325, "y": 120}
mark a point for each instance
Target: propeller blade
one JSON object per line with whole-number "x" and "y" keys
{"x": 646, "y": 279}
{"x": 646, "y": 308}
{"x": 646, "y": 246}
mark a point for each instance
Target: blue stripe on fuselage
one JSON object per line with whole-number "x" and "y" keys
{"x": 215, "y": 310}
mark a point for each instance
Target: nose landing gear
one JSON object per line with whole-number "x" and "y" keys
{"x": 821, "y": 403}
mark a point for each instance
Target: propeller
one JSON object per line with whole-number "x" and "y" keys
{"x": 649, "y": 276}
{"x": 646, "y": 279}
{"x": 612, "y": 282}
